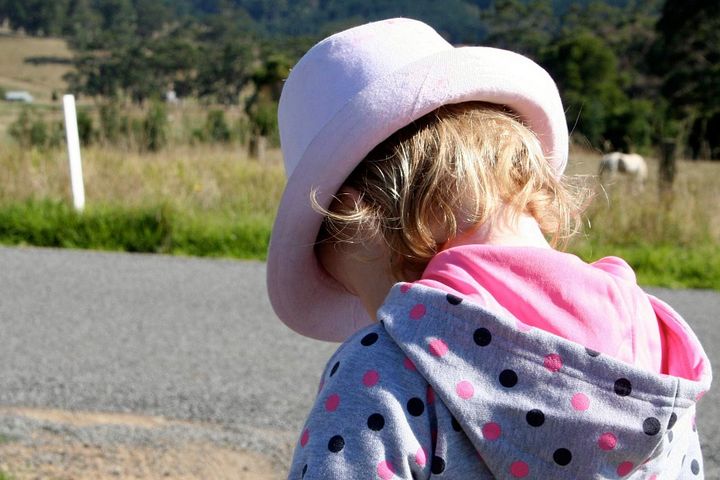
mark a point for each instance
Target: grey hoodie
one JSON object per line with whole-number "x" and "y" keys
{"x": 443, "y": 388}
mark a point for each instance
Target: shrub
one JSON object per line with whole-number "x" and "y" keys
{"x": 29, "y": 130}
{"x": 216, "y": 128}
{"x": 263, "y": 121}
{"x": 86, "y": 130}
{"x": 155, "y": 126}
{"x": 111, "y": 124}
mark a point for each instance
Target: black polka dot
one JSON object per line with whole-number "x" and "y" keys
{"x": 591, "y": 352}
{"x": 562, "y": 456}
{"x": 535, "y": 417}
{"x": 670, "y": 437}
{"x": 673, "y": 419}
{"x": 415, "y": 407}
{"x": 482, "y": 337}
{"x": 376, "y": 422}
{"x": 508, "y": 378}
{"x": 336, "y": 444}
{"x": 623, "y": 387}
{"x": 651, "y": 426}
{"x": 453, "y": 299}
{"x": 304, "y": 471}
{"x": 369, "y": 339}
{"x": 334, "y": 368}
{"x": 456, "y": 426}
{"x": 695, "y": 467}
{"x": 438, "y": 465}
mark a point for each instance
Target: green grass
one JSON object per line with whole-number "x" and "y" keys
{"x": 5, "y": 476}
{"x": 162, "y": 229}
{"x": 664, "y": 265}
{"x": 159, "y": 229}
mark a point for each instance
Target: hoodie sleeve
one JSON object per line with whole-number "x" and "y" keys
{"x": 362, "y": 426}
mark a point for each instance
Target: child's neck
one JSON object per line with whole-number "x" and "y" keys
{"x": 502, "y": 230}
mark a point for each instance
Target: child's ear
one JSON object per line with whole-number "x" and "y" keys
{"x": 348, "y": 198}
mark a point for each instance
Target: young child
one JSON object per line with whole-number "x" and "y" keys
{"x": 424, "y": 182}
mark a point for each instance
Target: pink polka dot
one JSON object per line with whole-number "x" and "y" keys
{"x": 305, "y": 437}
{"x": 332, "y": 402}
{"x": 430, "y": 395}
{"x": 438, "y": 347}
{"x": 523, "y": 327}
{"x": 580, "y": 401}
{"x": 491, "y": 431}
{"x": 519, "y": 469}
{"x": 624, "y": 468}
{"x": 371, "y": 378}
{"x": 607, "y": 441}
{"x": 385, "y": 470}
{"x": 418, "y": 311}
{"x": 405, "y": 287}
{"x": 553, "y": 362}
{"x": 407, "y": 363}
{"x": 653, "y": 477}
{"x": 465, "y": 389}
{"x": 421, "y": 457}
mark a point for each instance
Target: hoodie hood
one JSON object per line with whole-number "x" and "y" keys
{"x": 530, "y": 401}
{"x": 598, "y": 305}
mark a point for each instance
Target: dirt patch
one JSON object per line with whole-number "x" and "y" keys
{"x": 86, "y": 419}
{"x": 53, "y": 456}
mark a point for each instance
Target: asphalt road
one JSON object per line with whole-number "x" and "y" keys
{"x": 192, "y": 339}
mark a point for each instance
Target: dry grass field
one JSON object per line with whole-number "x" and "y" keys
{"x": 202, "y": 179}
{"x": 622, "y": 212}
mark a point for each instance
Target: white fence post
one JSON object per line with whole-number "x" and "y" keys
{"x": 73, "y": 144}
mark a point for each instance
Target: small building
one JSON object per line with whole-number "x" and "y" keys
{"x": 18, "y": 96}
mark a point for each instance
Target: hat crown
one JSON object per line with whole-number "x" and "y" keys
{"x": 336, "y": 69}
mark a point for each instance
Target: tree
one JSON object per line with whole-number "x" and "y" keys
{"x": 522, "y": 26}
{"x": 629, "y": 31}
{"x": 261, "y": 107}
{"x": 227, "y": 52}
{"x": 687, "y": 56}
{"x": 36, "y": 17}
{"x": 586, "y": 71}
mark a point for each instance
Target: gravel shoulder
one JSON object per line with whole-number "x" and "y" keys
{"x": 62, "y": 445}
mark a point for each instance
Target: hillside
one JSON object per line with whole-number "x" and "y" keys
{"x": 33, "y": 64}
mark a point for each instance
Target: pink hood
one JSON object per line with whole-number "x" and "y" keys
{"x": 598, "y": 305}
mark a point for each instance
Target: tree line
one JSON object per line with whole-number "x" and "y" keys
{"x": 632, "y": 73}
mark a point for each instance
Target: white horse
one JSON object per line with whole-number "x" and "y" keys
{"x": 630, "y": 164}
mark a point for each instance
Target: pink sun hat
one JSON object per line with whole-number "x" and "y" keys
{"x": 346, "y": 95}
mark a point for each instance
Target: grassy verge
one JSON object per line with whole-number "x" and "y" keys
{"x": 158, "y": 229}
{"x": 162, "y": 229}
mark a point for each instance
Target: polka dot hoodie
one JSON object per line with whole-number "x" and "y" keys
{"x": 444, "y": 388}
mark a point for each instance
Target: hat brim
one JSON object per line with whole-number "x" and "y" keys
{"x": 303, "y": 295}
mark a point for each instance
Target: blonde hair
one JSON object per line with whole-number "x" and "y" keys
{"x": 446, "y": 173}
